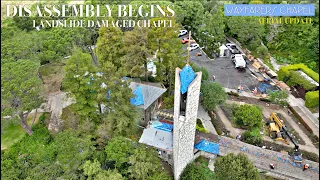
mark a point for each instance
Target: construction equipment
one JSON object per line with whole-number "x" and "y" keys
{"x": 280, "y": 132}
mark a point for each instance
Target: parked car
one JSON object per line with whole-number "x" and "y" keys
{"x": 232, "y": 48}
{"x": 194, "y": 46}
{"x": 185, "y": 40}
{"x": 183, "y": 32}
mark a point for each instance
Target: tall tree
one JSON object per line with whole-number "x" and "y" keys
{"x": 196, "y": 171}
{"x": 20, "y": 87}
{"x": 165, "y": 42}
{"x": 211, "y": 33}
{"x": 72, "y": 151}
{"x": 189, "y": 13}
{"x": 213, "y": 95}
{"x": 136, "y": 53}
{"x": 237, "y": 167}
{"x": 247, "y": 30}
{"x": 80, "y": 82}
{"x": 110, "y": 45}
{"x": 145, "y": 164}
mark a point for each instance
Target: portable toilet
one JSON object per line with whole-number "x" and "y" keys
{"x": 224, "y": 51}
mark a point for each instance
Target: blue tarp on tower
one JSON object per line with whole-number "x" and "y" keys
{"x": 207, "y": 146}
{"x": 138, "y": 99}
{"x": 187, "y": 75}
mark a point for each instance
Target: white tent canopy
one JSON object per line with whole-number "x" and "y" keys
{"x": 157, "y": 138}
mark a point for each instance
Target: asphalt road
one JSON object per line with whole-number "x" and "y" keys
{"x": 223, "y": 69}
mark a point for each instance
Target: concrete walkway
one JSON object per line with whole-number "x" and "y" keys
{"x": 206, "y": 120}
{"x": 55, "y": 104}
{"x": 262, "y": 158}
{"x": 306, "y": 112}
{"x": 233, "y": 131}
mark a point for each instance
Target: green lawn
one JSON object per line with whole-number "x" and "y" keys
{"x": 13, "y": 132}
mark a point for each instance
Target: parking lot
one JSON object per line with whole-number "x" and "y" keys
{"x": 223, "y": 69}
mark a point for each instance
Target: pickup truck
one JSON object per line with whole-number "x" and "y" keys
{"x": 232, "y": 48}
{"x": 238, "y": 60}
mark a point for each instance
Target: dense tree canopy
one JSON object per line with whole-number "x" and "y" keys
{"x": 69, "y": 155}
{"x": 236, "y": 167}
{"x": 196, "y": 171}
{"x": 20, "y": 90}
{"x": 213, "y": 95}
{"x": 249, "y": 116}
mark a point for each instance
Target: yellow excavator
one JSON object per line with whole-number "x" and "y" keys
{"x": 276, "y": 129}
{"x": 279, "y": 132}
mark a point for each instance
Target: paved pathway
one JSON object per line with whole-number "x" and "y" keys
{"x": 306, "y": 112}
{"x": 263, "y": 157}
{"x": 233, "y": 131}
{"x": 55, "y": 104}
{"x": 206, "y": 120}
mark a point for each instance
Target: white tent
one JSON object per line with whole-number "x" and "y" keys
{"x": 223, "y": 51}
{"x": 157, "y": 138}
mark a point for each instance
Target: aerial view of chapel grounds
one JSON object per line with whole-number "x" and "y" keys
{"x": 159, "y": 90}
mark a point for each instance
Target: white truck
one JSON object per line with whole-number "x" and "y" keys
{"x": 238, "y": 60}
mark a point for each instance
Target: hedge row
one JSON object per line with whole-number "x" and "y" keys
{"x": 285, "y": 71}
{"x": 300, "y": 119}
{"x": 312, "y": 99}
{"x": 296, "y": 79}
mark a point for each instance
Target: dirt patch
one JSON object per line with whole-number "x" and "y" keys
{"x": 52, "y": 76}
{"x": 254, "y": 101}
{"x": 226, "y": 109}
{"x": 292, "y": 131}
{"x": 167, "y": 168}
{"x": 312, "y": 137}
{"x": 217, "y": 123}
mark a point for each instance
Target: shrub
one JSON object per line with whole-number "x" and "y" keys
{"x": 279, "y": 97}
{"x": 295, "y": 79}
{"x": 196, "y": 171}
{"x": 42, "y": 117}
{"x": 168, "y": 102}
{"x": 264, "y": 99}
{"x": 205, "y": 73}
{"x": 213, "y": 94}
{"x": 252, "y": 136}
{"x": 200, "y": 127}
{"x": 248, "y": 115}
{"x": 262, "y": 50}
{"x": 310, "y": 156}
{"x": 312, "y": 99}
{"x": 284, "y": 74}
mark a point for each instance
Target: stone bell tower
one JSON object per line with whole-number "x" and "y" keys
{"x": 186, "y": 100}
